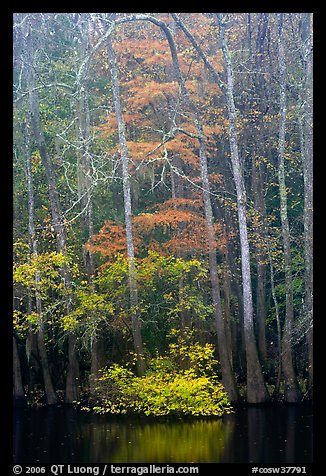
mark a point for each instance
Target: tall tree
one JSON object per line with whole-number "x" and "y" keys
{"x": 256, "y": 389}
{"x": 224, "y": 351}
{"x": 18, "y": 387}
{"x": 84, "y": 138}
{"x": 72, "y": 387}
{"x": 307, "y": 160}
{"x": 291, "y": 393}
{"x": 259, "y": 179}
{"x": 50, "y": 395}
{"x": 135, "y": 322}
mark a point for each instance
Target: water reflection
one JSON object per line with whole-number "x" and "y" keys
{"x": 173, "y": 442}
{"x": 254, "y": 434}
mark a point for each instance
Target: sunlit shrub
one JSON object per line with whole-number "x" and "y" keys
{"x": 167, "y": 388}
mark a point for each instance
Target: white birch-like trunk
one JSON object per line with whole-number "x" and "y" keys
{"x": 256, "y": 389}
{"x": 135, "y": 323}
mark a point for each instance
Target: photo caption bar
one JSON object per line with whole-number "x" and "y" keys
{"x": 102, "y": 469}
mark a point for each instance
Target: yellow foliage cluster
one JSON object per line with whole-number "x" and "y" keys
{"x": 167, "y": 388}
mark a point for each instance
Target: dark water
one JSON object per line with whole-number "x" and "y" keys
{"x": 273, "y": 434}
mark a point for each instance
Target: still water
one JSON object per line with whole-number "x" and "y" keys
{"x": 273, "y": 434}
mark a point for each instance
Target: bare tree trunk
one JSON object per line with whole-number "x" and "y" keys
{"x": 307, "y": 161}
{"x": 177, "y": 192}
{"x": 227, "y": 314}
{"x": 18, "y": 388}
{"x": 226, "y": 287}
{"x": 231, "y": 258}
{"x": 291, "y": 393}
{"x": 278, "y": 326}
{"x": 85, "y": 197}
{"x": 50, "y": 395}
{"x": 256, "y": 389}
{"x": 31, "y": 347}
{"x": 257, "y": 186}
{"x": 255, "y": 144}
{"x": 135, "y": 323}
{"x": 97, "y": 363}
{"x": 84, "y": 155}
{"x": 84, "y": 182}
{"x": 224, "y": 352}
{"x": 72, "y": 389}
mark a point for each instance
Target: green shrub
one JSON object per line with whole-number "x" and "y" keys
{"x": 167, "y": 388}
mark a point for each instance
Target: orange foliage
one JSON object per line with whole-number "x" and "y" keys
{"x": 139, "y": 150}
{"x": 209, "y": 131}
{"x": 182, "y": 223}
{"x": 110, "y": 125}
{"x": 183, "y": 146}
{"x": 110, "y": 241}
{"x": 142, "y": 94}
{"x": 169, "y": 219}
{"x": 149, "y": 88}
{"x": 148, "y": 92}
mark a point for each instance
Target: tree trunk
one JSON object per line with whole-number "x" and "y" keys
{"x": 84, "y": 157}
{"x": 177, "y": 192}
{"x": 18, "y": 388}
{"x": 72, "y": 390}
{"x": 307, "y": 161}
{"x": 135, "y": 323}
{"x": 291, "y": 393}
{"x": 50, "y": 395}
{"x": 261, "y": 310}
{"x": 97, "y": 363}
{"x": 227, "y": 313}
{"x": 224, "y": 352}
{"x": 86, "y": 204}
{"x": 226, "y": 286}
{"x": 256, "y": 389}
{"x": 31, "y": 348}
{"x": 278, "y": 326}
{"x": 236, "y": 287}
{"x": 259, "y": 203}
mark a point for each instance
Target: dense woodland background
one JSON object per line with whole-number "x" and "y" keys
{"x": 162, "y": 183}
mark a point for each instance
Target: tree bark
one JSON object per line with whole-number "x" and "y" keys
{"x": 259, "y": 204}
{"x": 50, "y": 395}
{"x": 31, "y": 348}
{"x": 135, "y": 323}
{"x": 18, "y": 388}
{"x": 224, "y": 352}
{"x": 84, "y": 156}
{"x": 85, "y": 197}
{"x": 256, "y": 389}
{"x": 236, "y": 287}
{"x": 72, "y": 389}
{"x": 291, "y": 393}
{"x": 278, "y": 326}
{"x": 307, "y": 161}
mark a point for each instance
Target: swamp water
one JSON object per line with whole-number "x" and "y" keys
{"x": 270, "y": 434}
